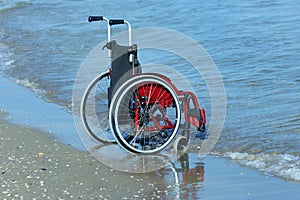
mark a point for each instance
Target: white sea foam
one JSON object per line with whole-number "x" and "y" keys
{"x": 32, "y": 86}
{"x": 286, "y": 166}
{"x": 26, "y": 83}
{"x": 5, "y": 57}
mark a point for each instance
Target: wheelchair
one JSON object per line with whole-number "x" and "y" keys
{"x": 142, "y": 112}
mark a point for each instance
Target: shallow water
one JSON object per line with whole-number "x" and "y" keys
{"x": 254, "y": 44}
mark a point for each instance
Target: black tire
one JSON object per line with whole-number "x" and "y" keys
{"x": 94, "y": 109}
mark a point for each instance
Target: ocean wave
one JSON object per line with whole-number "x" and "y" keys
{"x": 285, "y": 166}
{"x": 7, "y": 5}
{"x": 6, "y": 62}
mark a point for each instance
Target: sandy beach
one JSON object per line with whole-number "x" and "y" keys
{"x": 34, "y": 165}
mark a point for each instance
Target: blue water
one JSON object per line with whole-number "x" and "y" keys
{"x": 255, "y": 44}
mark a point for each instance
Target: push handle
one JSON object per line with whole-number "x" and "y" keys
{"x": 95, "y": 18}
{"x": 121, "y": 21}
{"x": 116, "y": 21}
{"x": 111, "y": 23}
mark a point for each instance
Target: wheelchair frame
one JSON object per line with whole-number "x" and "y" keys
{"x": 141, "y": 110}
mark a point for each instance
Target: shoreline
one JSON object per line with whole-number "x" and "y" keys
{"x": 26, "y": 109}
{"x": 35, "y": 165}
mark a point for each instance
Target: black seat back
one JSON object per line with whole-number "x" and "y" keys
{"x": 121, "y": 67}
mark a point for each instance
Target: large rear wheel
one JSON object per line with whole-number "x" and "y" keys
{"x": 145, "y": 114}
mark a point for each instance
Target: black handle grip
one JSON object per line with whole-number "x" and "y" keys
{"x": 116, "y": 21}
{"x": 95, "y": 18}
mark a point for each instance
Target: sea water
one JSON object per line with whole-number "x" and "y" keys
{"x": 255, "y": 45}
